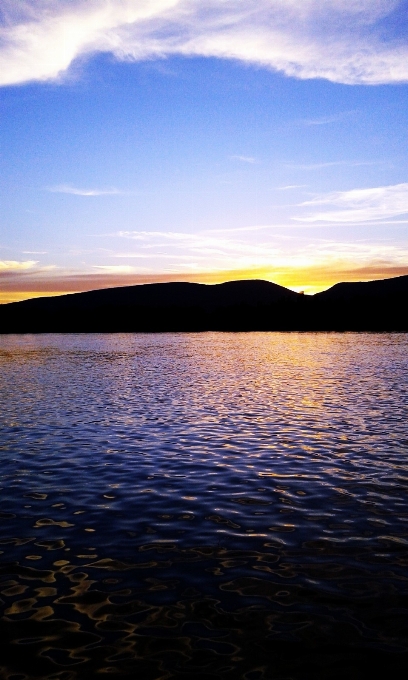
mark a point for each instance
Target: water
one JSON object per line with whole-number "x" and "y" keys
{"x": 204, "y": 505}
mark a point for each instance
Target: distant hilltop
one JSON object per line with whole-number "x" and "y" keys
{"x": 234, "y": 306}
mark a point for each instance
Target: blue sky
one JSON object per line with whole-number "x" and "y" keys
{"x": 153, "y": 140}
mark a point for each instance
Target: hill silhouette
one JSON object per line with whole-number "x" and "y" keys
{"x": 365, "y": 289}
{"x": 233, "y": 306}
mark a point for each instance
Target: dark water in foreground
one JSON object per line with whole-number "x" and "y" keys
{"x": 204, "y": 505}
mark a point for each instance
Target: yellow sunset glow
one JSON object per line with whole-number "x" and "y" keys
{"x": 309, "y": 279}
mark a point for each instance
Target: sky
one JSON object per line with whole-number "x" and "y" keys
{"x": 202, "y": 140}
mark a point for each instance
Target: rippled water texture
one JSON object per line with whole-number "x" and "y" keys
{"x": 204, "y": 505}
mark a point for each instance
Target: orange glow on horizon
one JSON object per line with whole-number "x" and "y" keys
{"x": 312, "y": 279}
{"x": 18, "y": 296}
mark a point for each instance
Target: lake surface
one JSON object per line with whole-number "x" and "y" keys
{"x": 204, "y": 505}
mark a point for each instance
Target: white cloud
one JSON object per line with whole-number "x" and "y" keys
{"x": 207, "y": 248}
{"x": 289, "y": 187}
{"x": 359, "y": 205}
{"x": 328, "y": 164}
{"x": 358, "y": 253}
{"x": 326, "y": 120}
{"x": 115, "y": 269}
{"x": 244, "y": 159}
{"x": 206, "y": 251}
{"x": 16, "y": 266}
{"x": 67, "y": 189}
{"x": 347, "y": 41}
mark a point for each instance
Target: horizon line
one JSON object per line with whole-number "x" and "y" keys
{"x": 61, "y": 293}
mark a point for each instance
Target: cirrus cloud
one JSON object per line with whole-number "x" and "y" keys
{"x": 346, "y": 41}
{"x": 8, "y": 266}
{"x": 359, "y": 205}
{"x": 76, "y": 191}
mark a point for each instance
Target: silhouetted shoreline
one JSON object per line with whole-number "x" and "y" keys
{"x": 252, "y": 305}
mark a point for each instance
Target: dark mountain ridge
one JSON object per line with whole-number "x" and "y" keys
{"x": 232, "y": 306}
{"x": 180, "y": 294}
{"x": 368, "y": 289}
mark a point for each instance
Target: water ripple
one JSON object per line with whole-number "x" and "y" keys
{"x": 203, "y": 504}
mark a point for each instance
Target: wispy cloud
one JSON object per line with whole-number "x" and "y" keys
{"x": 359, "y": 205}
{"x": 76, "y": 191}
{"x": 347, "y": 41}
{"x": 205, "y": 247}
{"x": 328, "y": 164}
{"x": 291, "y": 186}
{"x": 248, "y": 228}
{"x": 115, "y": 269}
{"x": 325, "y": 120}
{"x": 244, "y": 159}
{"x": 16, "y": 266}
{"x": 311, "y": 269}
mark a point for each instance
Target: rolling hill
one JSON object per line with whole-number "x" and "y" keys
{"x": 233, "y": 306}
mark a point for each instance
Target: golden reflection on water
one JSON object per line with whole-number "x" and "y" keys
{"x": 90, "y": 623}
